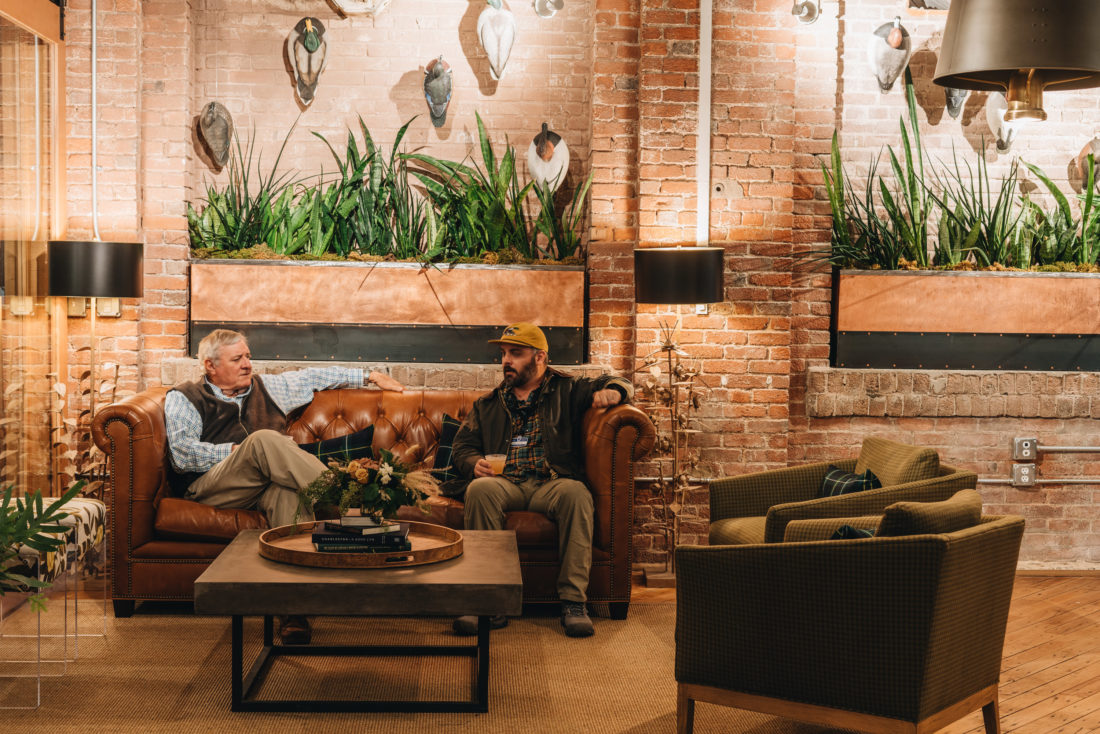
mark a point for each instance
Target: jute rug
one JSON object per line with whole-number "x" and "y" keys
{"x": 166, "y": 670}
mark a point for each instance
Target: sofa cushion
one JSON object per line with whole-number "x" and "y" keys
{"x": 179, "y": 519}
{"x": 837, "y": 482}
{"x": 441, "y": 466}
{"x": 897, "y": 463}
{"x": 343, "y": 448}
{"x": 963, "y": 510}
{"x": 737, "y": 531}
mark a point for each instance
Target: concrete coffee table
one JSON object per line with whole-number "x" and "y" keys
{"x": 483, "y": 581}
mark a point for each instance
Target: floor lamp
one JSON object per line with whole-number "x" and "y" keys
{"x": 674, "y": 276}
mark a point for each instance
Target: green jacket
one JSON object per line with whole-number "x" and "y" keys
{"x": 562, "y": 405}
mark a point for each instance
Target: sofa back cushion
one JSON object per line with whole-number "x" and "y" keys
{"x": 406, "y": 423}
{"x": 962, "y": 510}
{"x": 897, "y": 463}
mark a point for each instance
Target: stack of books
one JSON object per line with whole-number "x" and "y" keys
{"x": 361, "y": 535}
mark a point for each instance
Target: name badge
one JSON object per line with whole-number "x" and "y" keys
{"x": 519, "y": 441}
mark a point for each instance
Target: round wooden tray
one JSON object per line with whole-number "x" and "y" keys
{"x": 292, "y": 544}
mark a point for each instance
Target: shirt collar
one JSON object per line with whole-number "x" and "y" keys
{"x": 220, "y": 395}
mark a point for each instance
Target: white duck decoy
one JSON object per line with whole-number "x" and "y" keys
{"x": 547, "y": 8}
{"x": 548, "y": 159}
{"x": 888, "y": 51}
{"x": 360, "y": 7}
{"x": 437, "y": 89}
{"x": 496, "y": 29}
{"x": 1004, "y": 132}
{"x": 216, "y": 126}
{"x": 306, "y": 47}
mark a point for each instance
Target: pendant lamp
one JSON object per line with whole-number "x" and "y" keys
{"x": 1021, "y": 48}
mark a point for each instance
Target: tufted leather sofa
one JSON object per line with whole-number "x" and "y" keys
{"x": 160, "y": 543}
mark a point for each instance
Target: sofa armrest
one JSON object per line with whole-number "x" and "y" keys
{"x": 869, "y": 502}
{"x": 752, "y": 495}
{"x": 180, "y": 519}
{"x": 614, "y": 439}
{"x": 131, "y": 433}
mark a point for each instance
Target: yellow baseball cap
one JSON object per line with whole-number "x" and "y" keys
{"x": 524, "y": 335}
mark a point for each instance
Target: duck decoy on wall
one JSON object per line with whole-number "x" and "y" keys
{"x": 437, "y": 89}
{"x": 955, "y": 99}
{"x": 1003, "y": 132}
{"x": 306, "y": 47}
{"x": 888, "y": 51}
{"x": 547, "y": 8}
{"x": 548, "y": 159}
{"x": 360, "y": 7}
{"x": 216, "y": 126}
{"x": 496, "y": 29}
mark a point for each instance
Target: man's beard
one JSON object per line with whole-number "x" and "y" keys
{"x": 522, "y": 377}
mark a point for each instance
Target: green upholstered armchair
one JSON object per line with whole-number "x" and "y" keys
{"x": 883, "y": 634}
{"x": 755, "y": 508}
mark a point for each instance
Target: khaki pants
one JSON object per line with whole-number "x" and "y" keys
{"x": 565, "y": 501}
{"x": 265, "y": 471}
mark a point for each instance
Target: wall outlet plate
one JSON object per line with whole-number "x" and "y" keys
{"x": 702, "y": 309}
{"x": 76, "y": 307}
{"x": 1023, "y": 475}
{"x": 110, "y": 307}
{"x": 1025, "y": 448}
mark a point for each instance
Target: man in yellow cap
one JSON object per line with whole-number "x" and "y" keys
{"x": 534, "y": 418}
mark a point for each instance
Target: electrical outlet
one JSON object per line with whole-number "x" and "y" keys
{"x": 1023, "y": 475}
{"x": 1025, "y": 448}
{"x": 702, "y": 309}
{"x": 76, "y": 307}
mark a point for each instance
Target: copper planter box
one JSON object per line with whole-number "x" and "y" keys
{"x": 966, "y": 320}
{"x": 399, "y": 312}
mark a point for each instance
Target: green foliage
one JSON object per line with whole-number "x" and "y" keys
{"x": 27, "y": 520}
{"x": 399, "y": 205}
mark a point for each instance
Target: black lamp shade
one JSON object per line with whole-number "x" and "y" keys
{"x": 678, "y": 275}
{"x": 985, "y": 41}
{"x": 95, "y": 269}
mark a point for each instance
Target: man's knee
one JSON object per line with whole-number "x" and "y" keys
{"x": 481, "y": 491}
{"x": 576, "y": 494}
{"x": 264, "y": 437}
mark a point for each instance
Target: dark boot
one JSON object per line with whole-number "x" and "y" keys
{"x": 294, "y": 630}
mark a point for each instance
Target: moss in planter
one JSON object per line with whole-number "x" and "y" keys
{"x": 263, "y": 252}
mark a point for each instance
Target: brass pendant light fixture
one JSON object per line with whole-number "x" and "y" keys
{"x": 1021, "y": 48}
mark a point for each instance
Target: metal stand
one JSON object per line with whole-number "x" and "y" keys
{"x": 246, "y": 685}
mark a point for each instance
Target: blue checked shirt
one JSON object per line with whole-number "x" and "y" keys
{"x": 289, "y": 390}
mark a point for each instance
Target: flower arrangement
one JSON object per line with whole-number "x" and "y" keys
{"x": 378, "y": 487}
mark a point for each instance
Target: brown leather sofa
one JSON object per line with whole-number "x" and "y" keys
{"x": 160, "y": 543}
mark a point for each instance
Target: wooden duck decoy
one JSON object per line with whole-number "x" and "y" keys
{"x": 888, "y": 51}
{"x": 548, "y": 158}
{"x": 437, "y": 89}
{"x": 496, "y": 29}
{"x": 216, "y": 126}
{"x": 306, "y": 47}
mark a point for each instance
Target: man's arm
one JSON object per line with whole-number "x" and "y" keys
{"x": 602, "y": 392}
{"x": 290, "y": 390}
{"x": 467, "y": 448}
{"x": 184, "y": 427}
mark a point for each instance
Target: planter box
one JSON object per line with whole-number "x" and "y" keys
{"x": 377, "y": 312}
{"x": 966, "y": 320}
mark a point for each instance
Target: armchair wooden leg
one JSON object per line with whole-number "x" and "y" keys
{"x": 685, "y": 711}
{"x": 123, "y": 607}
{"x": 992, "y": 717}
{"x": 618, "y": 609}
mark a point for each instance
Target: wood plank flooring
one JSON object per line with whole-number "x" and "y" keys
{"x": 1050, "y": 677}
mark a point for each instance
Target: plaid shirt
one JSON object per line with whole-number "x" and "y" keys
{"x": 530, "y": 460}
{"x": 289, "y": 390}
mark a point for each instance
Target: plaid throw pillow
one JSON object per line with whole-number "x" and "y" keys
{"x": 838, "y": 482}
{"x": 443, "y": 470}
{"x": 847, "y": 532}
{"x": 343, "y": 448}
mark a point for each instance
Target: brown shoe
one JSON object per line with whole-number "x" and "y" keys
{"x": 295, "y": 630}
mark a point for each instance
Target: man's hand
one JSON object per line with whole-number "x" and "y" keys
{"x": 385, "y": 382}
{"x": 606, "y": 398}
{"x": 483, "y": 468}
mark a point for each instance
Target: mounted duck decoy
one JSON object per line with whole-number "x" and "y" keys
{"x": 360, "y": 7}
{"x": 1003, "y": 132}
{"x": 888, "y": 51}
{"x": 496, "y": 29}
{"x": 306, "y": 47}
{"x": 437, "y": 89}
{"x": 955, "y": 99}
{"x": 547, "y": 8}
{"x": 548, "y": 159}
{"x": 216, "y": 126}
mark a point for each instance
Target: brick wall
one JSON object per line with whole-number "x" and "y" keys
{"x": 619, "y": 79}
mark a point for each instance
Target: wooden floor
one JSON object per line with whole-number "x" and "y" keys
{"x": 1050, "y": 679}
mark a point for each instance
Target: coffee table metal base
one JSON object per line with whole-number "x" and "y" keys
{"x": 245, "y": 685}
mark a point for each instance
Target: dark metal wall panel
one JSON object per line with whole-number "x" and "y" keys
{"x": 378, "y": 343}
{"x": 935, "y": 351}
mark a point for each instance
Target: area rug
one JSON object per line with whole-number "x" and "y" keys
{"x": 167, "y": 670}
